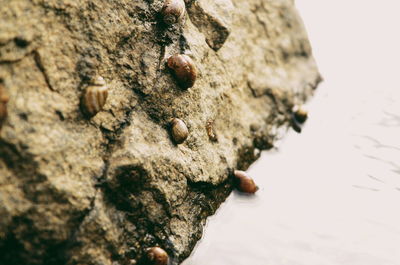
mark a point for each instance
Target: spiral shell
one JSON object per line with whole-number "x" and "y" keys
{"x": 244, "y": 183}
{"x": 179, "y": 131}
{"x": 184, "y": 70}
{"x": 173, "y": 11}
{"x": 157, "y": 256}
{"x": 3, "y": 105}
{"x": 95, "y": 96}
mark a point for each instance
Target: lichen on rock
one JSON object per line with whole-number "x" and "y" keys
{"x": 102, "y": 189}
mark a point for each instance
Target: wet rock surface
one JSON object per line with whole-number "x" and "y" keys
{"x": 101, "y": 190}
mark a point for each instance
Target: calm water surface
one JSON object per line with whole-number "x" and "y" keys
{"x": 331, "y": 195}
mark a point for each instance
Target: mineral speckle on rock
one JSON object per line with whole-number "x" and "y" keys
{"x": 102, "y": 191}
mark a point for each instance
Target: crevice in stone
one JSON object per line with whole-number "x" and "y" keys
{"x": 40, "y": 66}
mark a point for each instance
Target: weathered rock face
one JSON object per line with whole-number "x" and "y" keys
{"x": 100, "y": 190}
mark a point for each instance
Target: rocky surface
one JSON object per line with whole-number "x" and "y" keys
{"x": 100, "y": 190}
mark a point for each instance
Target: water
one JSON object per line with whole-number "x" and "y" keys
{"x": 338, "y": 202}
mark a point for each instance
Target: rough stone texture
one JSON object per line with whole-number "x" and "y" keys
{"x": 99, "y": 191}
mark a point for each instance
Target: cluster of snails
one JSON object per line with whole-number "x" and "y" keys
{"x": 299, "y": 117}
{"x": 185, "y": 73}
{"x": 181, "y": 65}
{"x": 3, "y": 105}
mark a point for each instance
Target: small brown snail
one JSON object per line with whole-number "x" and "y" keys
{"x": 295, "y": 125}
{"x": 244, "y": 183}
{"x": 156, "y": 256}
{"x": 300, "y": 114}
{"x": 95, "y": 96}
{"x": 179, "y": 130}
{"x": 173, "y": 11}
{"x": 3, "y": 105}
{"x": 184, "y": 70}
{"x": 211, "y": 131}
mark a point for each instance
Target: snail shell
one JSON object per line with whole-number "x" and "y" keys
{"x": 300, "y": 114}
{"x": 3, "y": 105}
{"x": 296, "y": 125}
{"x": 179, "y": 130}
{"x": 184, "y": 70}
{"x": 211, "y": 131}
{"x": 173, "y": 11}
{"x": 95, "y": 96}
{"x": 244, "y": 183}
{"x": 157, "y": 256}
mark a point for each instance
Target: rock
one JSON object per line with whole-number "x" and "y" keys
{"x": 102, "y": 190}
